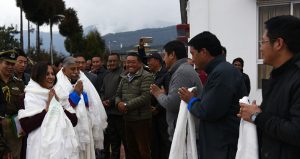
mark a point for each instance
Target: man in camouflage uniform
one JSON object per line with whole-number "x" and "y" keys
{"x": 13, "y": 93}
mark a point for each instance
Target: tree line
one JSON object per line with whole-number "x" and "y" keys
{"x": 53, "y": 12}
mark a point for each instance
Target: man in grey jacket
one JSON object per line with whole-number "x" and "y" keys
{"x": 181, "y": 74}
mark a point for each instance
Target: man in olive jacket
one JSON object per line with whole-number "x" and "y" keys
{"x": 133, "y": 100}
{"x": 278, "y": 118}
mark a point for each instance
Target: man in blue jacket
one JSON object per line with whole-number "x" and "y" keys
{"x": 217, "y": 106}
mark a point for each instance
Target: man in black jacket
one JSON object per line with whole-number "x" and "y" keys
{"x": 100, "y": 71}
{"x": 160, "y": 144}
{"x": 114, "y": 134}
{"x": 238, "y": 63}
{"x": 217, "y": 106}
{"x": 278, "y": 118}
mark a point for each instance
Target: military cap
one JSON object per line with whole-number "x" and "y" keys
{"x": 9, "y": 56}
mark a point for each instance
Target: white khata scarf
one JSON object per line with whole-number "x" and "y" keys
{"x": 184, "y": 139}
{"x": 247, "y": 143}
{"x": 56, "y": 137}
{"x": 91, "y": 120}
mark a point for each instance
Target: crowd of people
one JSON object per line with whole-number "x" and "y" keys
{"x": 87, "y": 111}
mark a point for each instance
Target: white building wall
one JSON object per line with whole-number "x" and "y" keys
{"x": 234, "y": 22}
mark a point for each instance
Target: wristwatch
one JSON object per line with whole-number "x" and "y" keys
{"x": 253, "y": 116}
{"x": 125, "y": 105}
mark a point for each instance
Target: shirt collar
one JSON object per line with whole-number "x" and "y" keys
{"x": 295, "y": 60}
{"x": 213, "y": 63}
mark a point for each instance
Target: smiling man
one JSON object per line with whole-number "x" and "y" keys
{"x": 278, "y": 118}
{"x": 76, "y": 92}
{"x": 133, "y": 100}
{"x": 13, "y": 92}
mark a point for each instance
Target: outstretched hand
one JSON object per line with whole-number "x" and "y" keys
{"x": 156, "y": 91}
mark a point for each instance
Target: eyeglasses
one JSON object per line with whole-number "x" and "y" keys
{"x": 261, "y": 42}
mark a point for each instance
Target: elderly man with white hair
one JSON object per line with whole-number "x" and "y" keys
{"x": 75, "y": 90}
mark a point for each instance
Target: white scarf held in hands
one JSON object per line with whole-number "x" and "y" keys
{"x": 184, "y": 139}
{"x": 94, "y": 117}
{"x": 247, "y": 143}
{"x": 56, "y": 137}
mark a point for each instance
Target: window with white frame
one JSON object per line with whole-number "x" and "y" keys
{"x": 266, "y": 10}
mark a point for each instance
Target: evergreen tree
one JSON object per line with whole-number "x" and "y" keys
{"x": 72, "y": 30}
{"x": 43, "y": 11}
{"x": 76, "y": 43}
{"x": 70, "y": 26}
{"x": 7, "y": 39}
{"x": 94, "y": 45}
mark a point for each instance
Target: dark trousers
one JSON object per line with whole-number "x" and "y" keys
{"x": 138, "y": 137}
{"x": 113, "y": 137}
{"x": 160, "y": 144}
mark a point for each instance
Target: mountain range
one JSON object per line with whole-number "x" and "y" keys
{"x": 115, "y": 41}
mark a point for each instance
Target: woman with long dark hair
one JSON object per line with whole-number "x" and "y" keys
{"x": 49, "y": 126}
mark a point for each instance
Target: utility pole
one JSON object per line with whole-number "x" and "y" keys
{"x": 21, "y": 26}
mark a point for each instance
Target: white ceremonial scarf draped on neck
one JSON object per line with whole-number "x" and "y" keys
{"x": 184, "y": 139}
{"x": 91, "y": 120}
{"x": 56, "y": 137}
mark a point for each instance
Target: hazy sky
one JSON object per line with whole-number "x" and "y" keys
{"x": 109, "y": 16}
